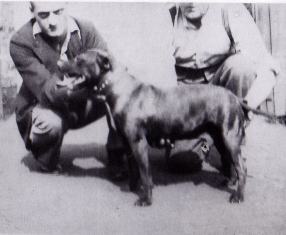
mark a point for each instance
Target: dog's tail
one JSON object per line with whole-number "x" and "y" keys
{"x": 272, "y": 118}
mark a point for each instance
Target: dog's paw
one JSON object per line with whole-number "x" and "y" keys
{"x": 143, "y": 202}
{"x": 236, "y": 197}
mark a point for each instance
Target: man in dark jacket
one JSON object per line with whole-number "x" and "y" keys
{"x": 50, "y": 36}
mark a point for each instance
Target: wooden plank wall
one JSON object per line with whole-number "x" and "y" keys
{"x": 271, "y": 20}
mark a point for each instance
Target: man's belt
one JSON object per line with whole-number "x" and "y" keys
{"x": 195, "y": 76}
{"x": 189, "y": 76}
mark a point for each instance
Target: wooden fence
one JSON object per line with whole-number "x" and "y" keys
{"x": 271, "y": 20}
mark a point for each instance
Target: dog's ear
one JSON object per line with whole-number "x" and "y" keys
{"x": 103, "y": 58}
{"x": 110, "y": 63}
{"x": 88, "y": 65}
{"x": 102, "y": 54}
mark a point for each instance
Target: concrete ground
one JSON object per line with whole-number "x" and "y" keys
{"x": 82, "y": 200}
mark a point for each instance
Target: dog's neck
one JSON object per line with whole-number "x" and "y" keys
{"x": 110, "y": 78}
{"x": 114, "y": 87}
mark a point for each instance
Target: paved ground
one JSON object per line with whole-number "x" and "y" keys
{"x": 83, "y": 201}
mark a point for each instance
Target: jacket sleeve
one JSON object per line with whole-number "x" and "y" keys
{"x": 248, "y": 39}
{"x": 91, "y": 37}
{"x": 35, "y": 76}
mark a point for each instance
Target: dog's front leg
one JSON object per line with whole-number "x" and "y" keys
{"x": 134, "y": 174}
{"x": 140, "y": 151}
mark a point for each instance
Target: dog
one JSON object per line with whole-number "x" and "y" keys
{"x": 144, "y": 114}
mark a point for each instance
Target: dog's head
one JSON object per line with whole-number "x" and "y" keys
{"x": 92, "y": 64}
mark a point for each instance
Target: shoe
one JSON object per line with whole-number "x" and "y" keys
{"x": 48, "y": 170}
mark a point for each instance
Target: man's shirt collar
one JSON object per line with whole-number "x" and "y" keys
{"x": 72, "y": 27}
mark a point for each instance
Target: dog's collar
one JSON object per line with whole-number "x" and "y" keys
{"x": 99, "y": 89}
{"x": 102, "y": 85}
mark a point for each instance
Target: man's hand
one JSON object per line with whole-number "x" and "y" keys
{"x": 72, "y": 83}
{"x": 42, "y": 120}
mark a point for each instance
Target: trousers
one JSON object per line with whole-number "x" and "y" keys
{"x": 48, "y": 130}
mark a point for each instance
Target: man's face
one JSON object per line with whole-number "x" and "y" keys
{"x": 193, "y": 11}
{"x": 51, "y": 18}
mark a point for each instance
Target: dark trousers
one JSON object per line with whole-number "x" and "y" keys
{"x": 46, "y": 145}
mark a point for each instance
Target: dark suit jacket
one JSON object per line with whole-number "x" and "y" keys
{"x": 36, "y": 61}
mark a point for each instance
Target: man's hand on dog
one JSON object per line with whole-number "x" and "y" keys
{"x": 71, "y": 83}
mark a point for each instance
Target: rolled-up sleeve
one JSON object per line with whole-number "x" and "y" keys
{"x": 248, "y": 39}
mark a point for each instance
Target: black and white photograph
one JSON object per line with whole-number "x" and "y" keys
{"x": 142, "y": 117}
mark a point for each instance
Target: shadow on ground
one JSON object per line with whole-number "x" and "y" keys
{"x": 71, "y": 152}
{"x": 183, "y": 170}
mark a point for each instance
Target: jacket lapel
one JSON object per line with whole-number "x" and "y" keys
{"x": 46, "y": 53}
{"x": 49, "y": 56}
{"x": 74, "y": 46}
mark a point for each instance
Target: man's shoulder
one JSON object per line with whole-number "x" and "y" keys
{"x": 84, "y": 25}
{"x": 24, "y": 34}
{"x": 88, "y": 30}
{"x": 235, "y": 9}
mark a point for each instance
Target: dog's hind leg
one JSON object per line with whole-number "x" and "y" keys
{"x": 232, "y": 141}
{"x": 240, "y": 167}
{"x": 140, "y": 151}
{"x": 227, "y": 168}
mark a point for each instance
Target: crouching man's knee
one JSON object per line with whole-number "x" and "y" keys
{"x": 237, "y": 74}
{"x": 47, "y": 128}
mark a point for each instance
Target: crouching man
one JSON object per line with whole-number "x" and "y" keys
{"x": 52, "y": 35}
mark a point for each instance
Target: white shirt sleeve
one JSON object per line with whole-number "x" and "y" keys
{"x": 248, "y": 39}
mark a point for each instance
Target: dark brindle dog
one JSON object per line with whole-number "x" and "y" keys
{"x": 144, "y": 114}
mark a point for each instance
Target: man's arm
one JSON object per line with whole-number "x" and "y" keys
{"x": 248, "y": 38}
{"x": 32, "y": 71}
{"x": 91, "y": 38}
{"x": 35, "y": 76}
{"x": 249, "y": 42}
